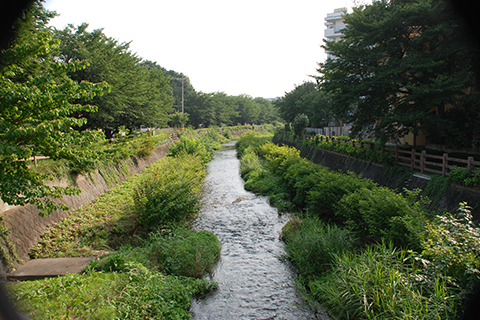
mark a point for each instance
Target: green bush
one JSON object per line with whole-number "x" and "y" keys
{"x": 297, "y": 171}
{"x": 277, "y": 156}
{"x": 249, "y": 139}
{"x": 300, "y": 123}
{"x": 249, "y": 163}
{"x": 184, "y": 252}
{"x": 382, "y": 213}
{"x": 171, "y": 192}
{"x": 463, "y": 177}
{"x": 190, "y": 146}
{"x": 452, "y": 248}
{"x": 329, "y": 187}
{"x": 313, "y": 245}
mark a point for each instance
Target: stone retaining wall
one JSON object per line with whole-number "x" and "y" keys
{"x": 337, "y": 161}
{"x": 26, "y": 226}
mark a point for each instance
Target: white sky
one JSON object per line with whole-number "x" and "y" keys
{"x": 262, "y": 48}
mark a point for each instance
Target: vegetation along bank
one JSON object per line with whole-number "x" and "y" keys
{"x": 153, "y": 262}
{"x": 363, "y": 250}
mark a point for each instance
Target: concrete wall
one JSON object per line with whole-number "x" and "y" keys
{"x": 26, "y": 226}
{"x": 336, "y": 161}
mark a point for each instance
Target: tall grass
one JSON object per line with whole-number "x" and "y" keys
{"x": 382, "y": 283}
{"x": 313, "y": 245}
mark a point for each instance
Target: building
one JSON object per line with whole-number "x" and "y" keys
{"x": 334, "y": 23}
{"x": 333, "y": 32}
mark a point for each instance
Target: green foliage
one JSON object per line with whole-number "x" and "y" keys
{"x": 179, "y": 119}
{"x": 300, "y": 122}
{"x": 184, "y": 252}
{"x": 381, "y": 283}
{"x": 436, "y": 188}
{"x": 249, "y": 139}
{"x": 190, "y": 146}
{"x": 379, "y": 212}
{"x": 414, "y": 55}
{"x": 171, "y": 191}
{"x": 277, "y": 157}
{"x": 313, "y": 245}
{"x": 140, "y": 91}
{"x": 452, "y": 248}
{"x": 250, "y": 162}
{"x": 305, "y": 99}
{"x": 463, "y": 177}
{"x": 329, "y": 187}
{"x": 38, "y": 103}
{"x": 219, "y": 109}
{"x": 135, "y": 293}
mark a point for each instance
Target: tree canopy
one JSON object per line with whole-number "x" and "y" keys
{"x": 305, "y": 99}
{"x": 404, "y": 66}
{"x": 37, "y": 100}
{"x": 141, "y": 93}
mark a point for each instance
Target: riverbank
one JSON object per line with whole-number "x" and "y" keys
{"x": 152, "y": 269}
{"x": 362, "y": 250}
{"x": 443, "y": 198}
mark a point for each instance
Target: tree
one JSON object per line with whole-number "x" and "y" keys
{"x": 400, "y": 66}
{"x": 300, "y": 123}
{"x": 307, "y": 99}
{"x": 268, "y": 113}
{"x": 179, "y": 119}
{"x": 140, "y": 93}
{"x": 37, "y": 101}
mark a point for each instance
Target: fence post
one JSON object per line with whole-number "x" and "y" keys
{"x": 444, "y": 164}
{"x": 412, "y": 161}
{"x": 396, "y": 155}
{"x": 422, "y": 160}
{"x": 470, "y": 164}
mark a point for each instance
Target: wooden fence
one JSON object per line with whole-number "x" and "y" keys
{"x": 415, "y": 160}
{"x": 439, "y": 164}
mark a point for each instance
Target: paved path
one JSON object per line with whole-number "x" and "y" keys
{"x": 49, "y": 267}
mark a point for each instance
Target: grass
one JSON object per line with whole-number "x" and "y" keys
{"x": 137, "y": 293}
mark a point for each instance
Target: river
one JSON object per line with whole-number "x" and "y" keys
{"x": 254, "y": 283}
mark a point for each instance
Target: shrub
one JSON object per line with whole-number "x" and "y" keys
{"x": 184, "y": 252}
{"x": 171, "y": 192}
{"x": 249, "y": 162}
{"x": 277, "y": 156}
{"x": 134, "y": 294}
{"x": 463, "y": 177}
{"x": 313, "y": 245}
{"x": 329, "y": 187}
{"x": 300, "y": 123}
{"x": 190, "y": 146}
{"x": 381, "y": 213}
{"x": 297, "y": 171}
{"x": 248, "y": 139}
{"x": 452, "y": 246}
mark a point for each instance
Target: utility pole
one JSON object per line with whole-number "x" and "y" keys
{"x": 181, "y": 79}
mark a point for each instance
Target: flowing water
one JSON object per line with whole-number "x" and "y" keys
{"x": 254, "y": 283}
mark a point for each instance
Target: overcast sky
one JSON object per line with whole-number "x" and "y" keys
{"x": 261, "y": 48}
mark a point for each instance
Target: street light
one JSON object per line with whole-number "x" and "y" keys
{"x": 181, "y": 79}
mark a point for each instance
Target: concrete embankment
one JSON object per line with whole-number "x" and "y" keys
{"x": 336, "y": 161}
{"x": 25, "y": 226}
